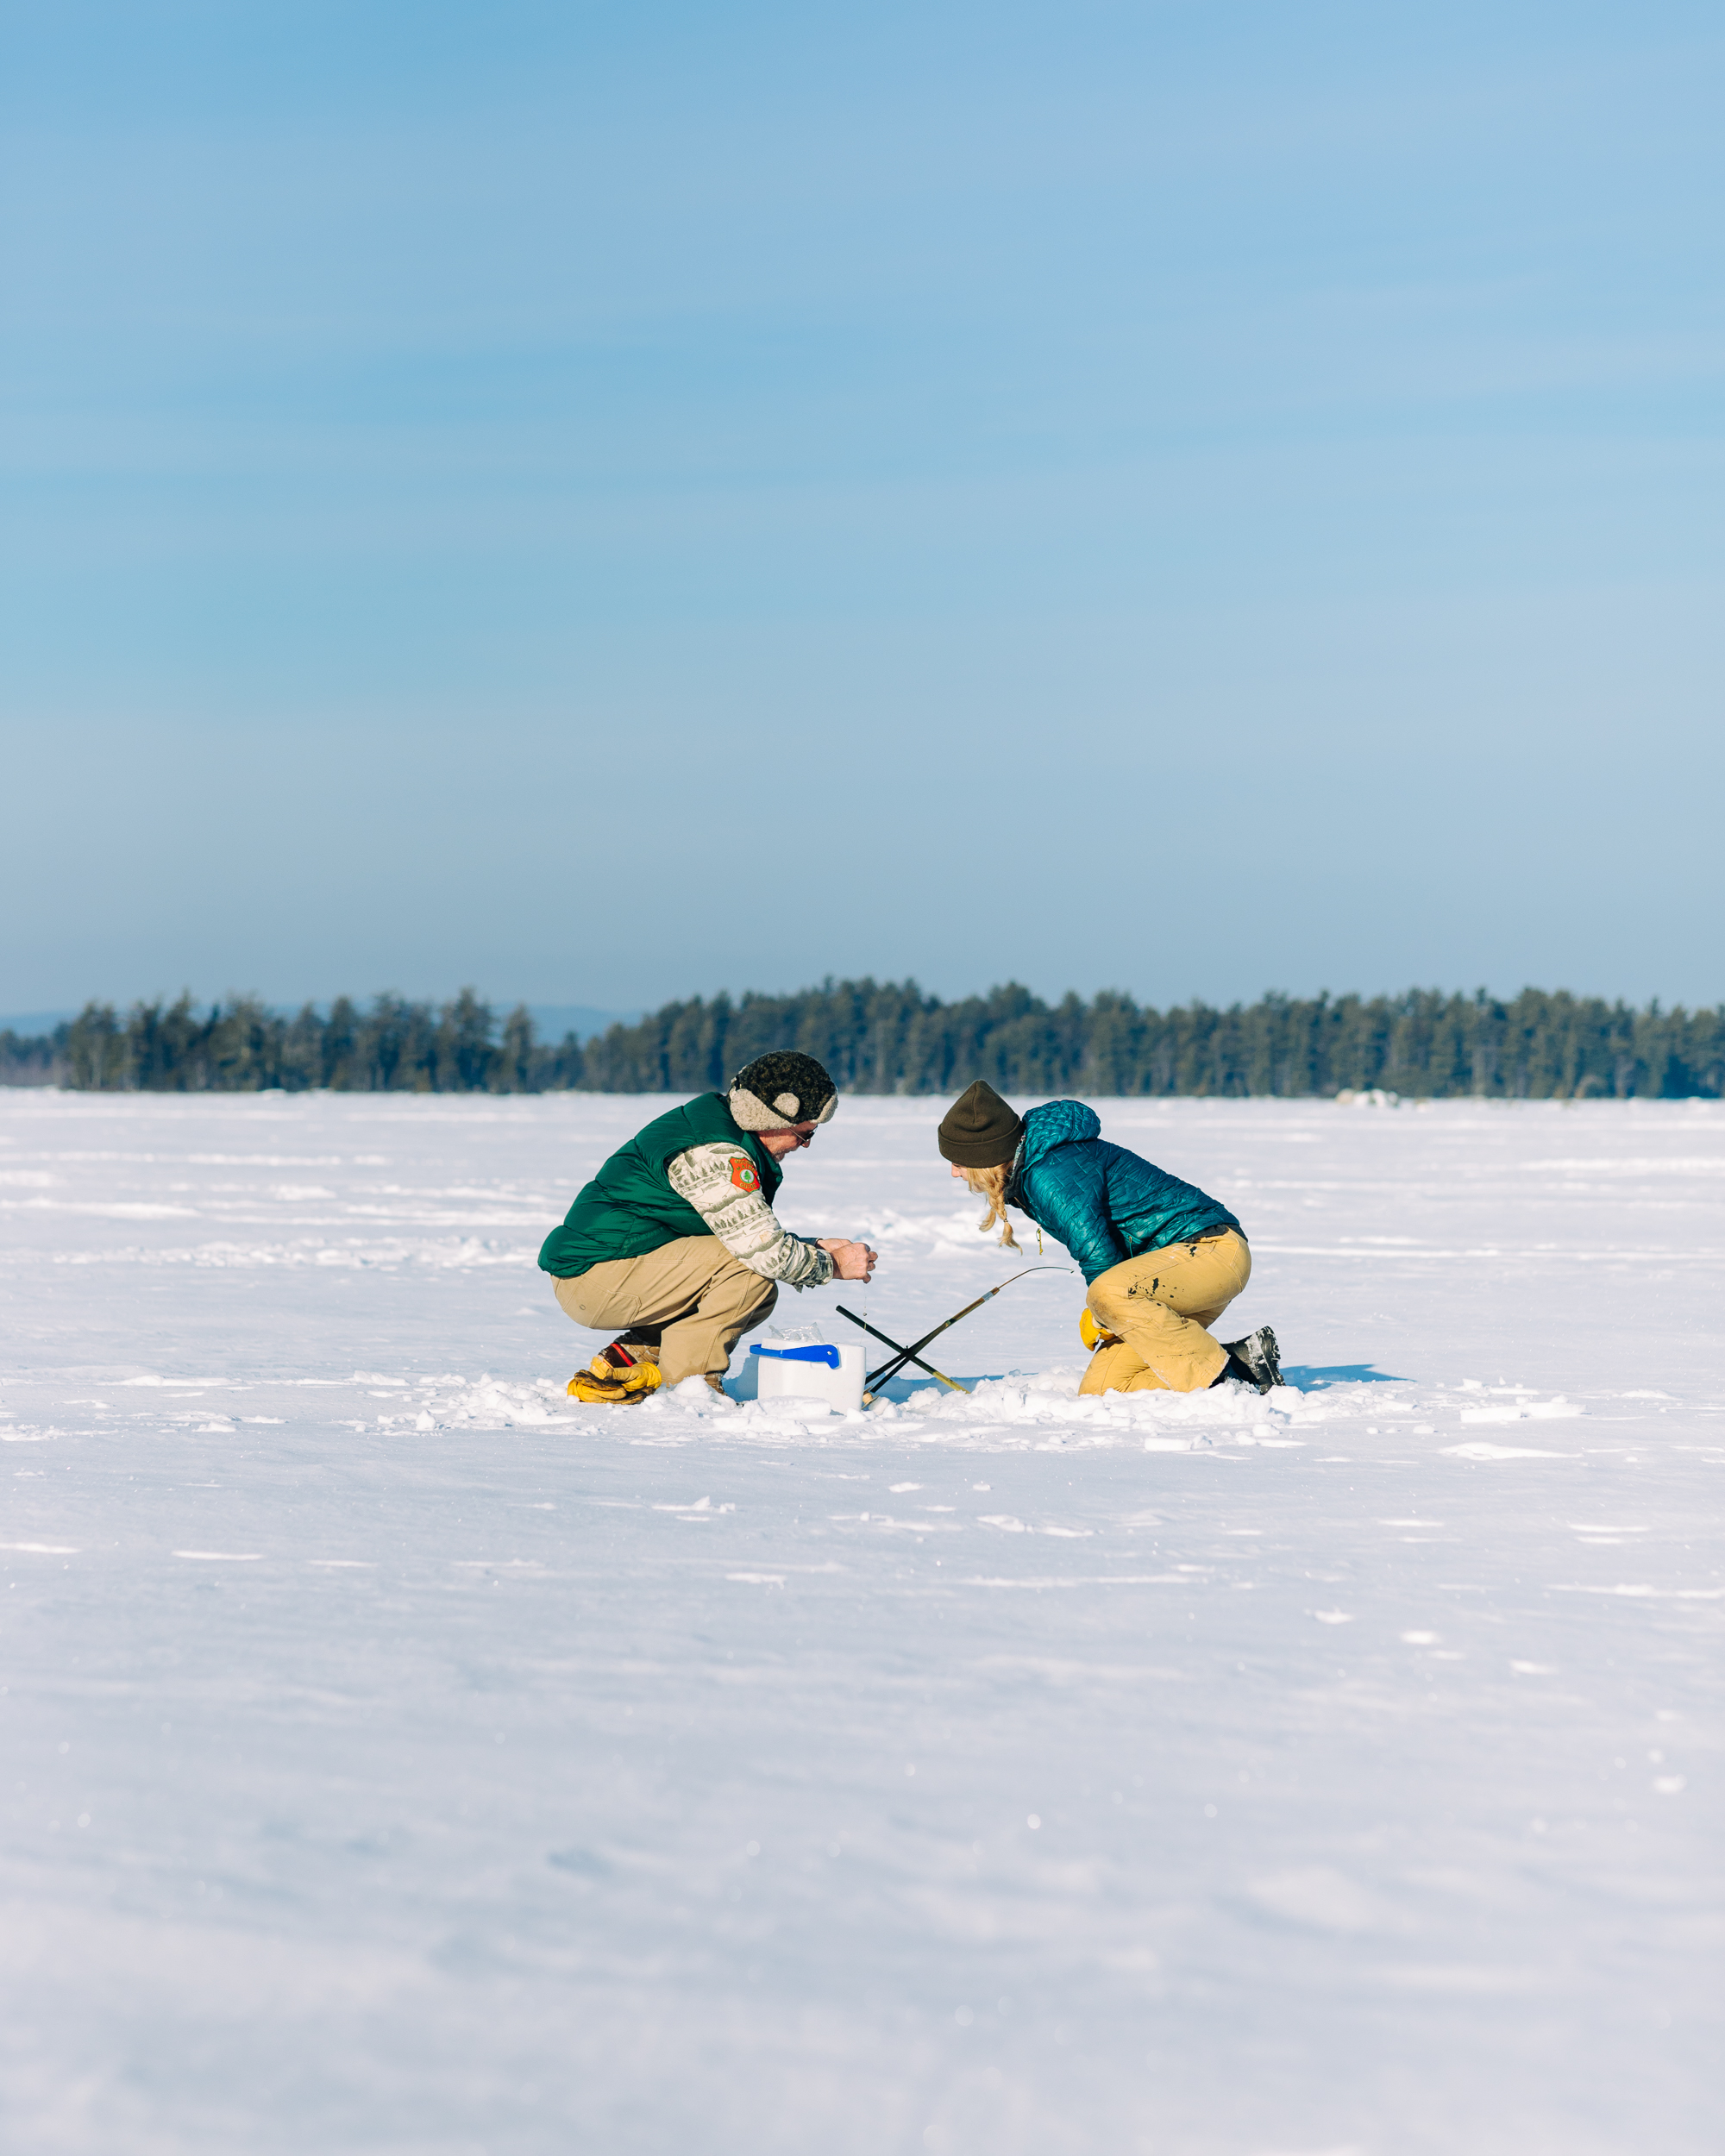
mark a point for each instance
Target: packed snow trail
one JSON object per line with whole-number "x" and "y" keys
{"x": 401, "y": 1758}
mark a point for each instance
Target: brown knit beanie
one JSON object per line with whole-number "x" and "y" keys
{"x": 980, "y": 1130}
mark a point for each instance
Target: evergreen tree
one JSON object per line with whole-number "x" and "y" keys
{"x": 462, "y": 1056}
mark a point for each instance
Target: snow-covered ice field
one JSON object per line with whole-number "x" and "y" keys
{"x": 400, "y": 1759}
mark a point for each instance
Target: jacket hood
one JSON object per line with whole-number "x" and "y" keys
{"x": 1055, "y": 1123}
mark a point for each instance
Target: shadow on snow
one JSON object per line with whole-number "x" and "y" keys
{"x": 1312, "y": 1378}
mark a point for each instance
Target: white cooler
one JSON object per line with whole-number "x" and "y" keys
{"x": 810, "y": 1370}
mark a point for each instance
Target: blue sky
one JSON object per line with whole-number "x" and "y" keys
{"x": 609, "y": 502}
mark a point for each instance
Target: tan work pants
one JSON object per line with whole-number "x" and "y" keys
{"x": 1160, "y": 1304}
{"x": 691, "y": 1293}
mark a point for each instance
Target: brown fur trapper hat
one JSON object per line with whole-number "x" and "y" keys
{"x": 980, "y": 1130}
{"x": 781, "y": 1088}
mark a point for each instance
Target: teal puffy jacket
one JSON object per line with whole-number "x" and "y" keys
{"x": 1102, "y": 1202}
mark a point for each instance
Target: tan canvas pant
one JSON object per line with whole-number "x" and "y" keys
{"x": 693, "y": 1293}
{"x": 1159, "y": 1305}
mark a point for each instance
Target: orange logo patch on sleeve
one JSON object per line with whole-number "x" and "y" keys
{"x": 744, "y": 1175}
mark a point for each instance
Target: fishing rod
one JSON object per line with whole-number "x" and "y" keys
{"x": 888, "y": 1370}
{"x": 913, "y": 1353}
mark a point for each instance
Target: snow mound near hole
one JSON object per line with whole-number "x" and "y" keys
{"x": 495, "y": 1404}
{"x": 1043, "y": 1411}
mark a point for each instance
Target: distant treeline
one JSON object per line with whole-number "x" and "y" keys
{"x": 882, "y": 1038}
{"x": 243, "y": 1046}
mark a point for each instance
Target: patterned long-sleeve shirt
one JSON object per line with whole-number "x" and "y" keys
{"x": 720, "y": 1182}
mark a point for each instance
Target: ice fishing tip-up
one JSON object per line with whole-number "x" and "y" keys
{"x": 875, "y": 1379}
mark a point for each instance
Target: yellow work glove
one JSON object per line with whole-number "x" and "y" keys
{"x": 602, "y": 1380}
{"x": 1091, "y": 1334}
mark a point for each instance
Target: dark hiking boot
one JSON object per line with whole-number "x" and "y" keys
{"x": 1256, "y": 1360}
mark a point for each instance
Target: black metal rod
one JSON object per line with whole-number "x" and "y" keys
{"x": 903, "y": 1356}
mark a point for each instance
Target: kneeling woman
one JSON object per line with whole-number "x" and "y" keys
{"x": 1161, "y": 1260}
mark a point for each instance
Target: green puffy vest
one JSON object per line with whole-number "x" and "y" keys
{"x": 629, "y": 1207}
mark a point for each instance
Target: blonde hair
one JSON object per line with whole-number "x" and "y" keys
{"x": 991, "y": 1183}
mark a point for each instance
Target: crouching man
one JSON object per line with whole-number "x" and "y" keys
{"x": 674, "y": 1245}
